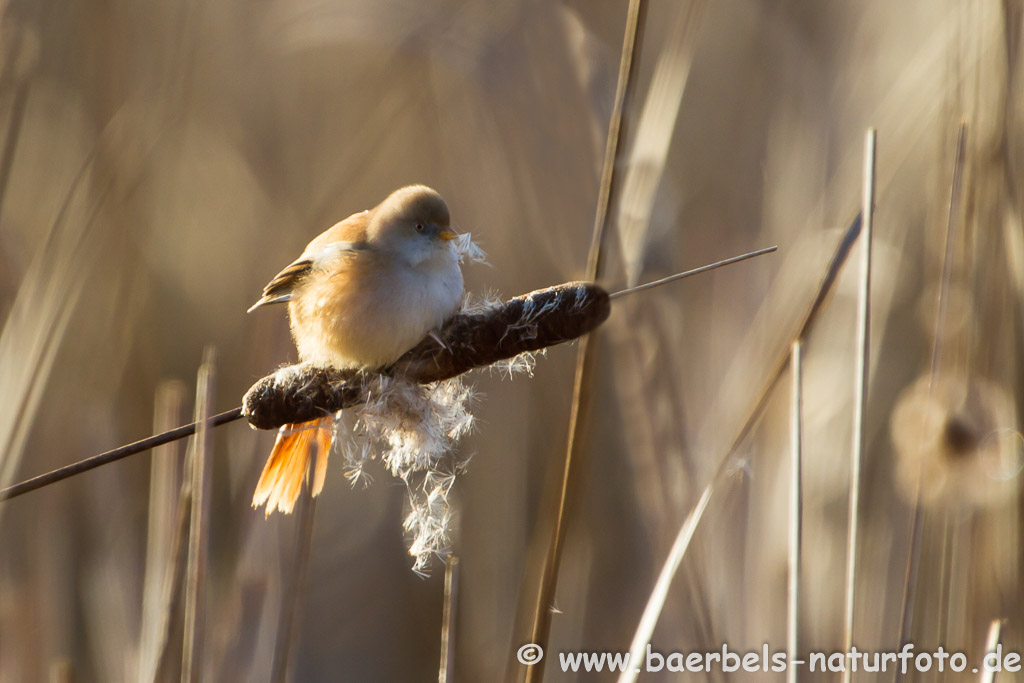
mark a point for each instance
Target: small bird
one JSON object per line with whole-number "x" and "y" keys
{"x": 362, "y": 293}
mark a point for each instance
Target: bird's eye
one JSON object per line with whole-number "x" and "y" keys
{"x": 419, "y": 227}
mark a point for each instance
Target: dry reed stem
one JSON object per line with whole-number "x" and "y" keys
{"x": 917, "y": 523}
{"x": 446, "y": 670}
{"x": 173, "y": 585}
{"x": 294, "y": 593}
{"x": 114, "y": 455}
{"x": 692, "y": 272}
{"x": 199, "y": 531}
{"x": 24, "y": 377}
{"x": 164, "y": 491}
{"x": 50, "y": 291}
{"x": 653, "y": 125}
{"x": 540, "y": 613}
{"x": 67, "y": 279}
{"x": 860, "y": 388}
{"x": 796, "y": 366}
{"x": 659, "y": 594}
{"x": 995, "y": 636}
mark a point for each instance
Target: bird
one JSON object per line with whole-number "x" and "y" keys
{"x": 360, "y": 295}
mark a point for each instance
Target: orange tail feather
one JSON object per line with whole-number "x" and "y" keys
{"x": 288, "y": 465}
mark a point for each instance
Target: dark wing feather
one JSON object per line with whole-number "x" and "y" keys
{"x": 347, "y": 236}
{"x": 280, "y": 288}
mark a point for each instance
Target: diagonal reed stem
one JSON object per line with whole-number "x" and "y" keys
{"x": 689, "y": 273}
{"x": 659, "y": 594}
{"x": 656, "y": 602}
{"x": 114, "y": 455}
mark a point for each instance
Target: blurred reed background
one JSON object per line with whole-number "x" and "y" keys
{"x": 160, "y": 161}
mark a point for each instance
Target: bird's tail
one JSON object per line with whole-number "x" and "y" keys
{"x": 288, "y": 465}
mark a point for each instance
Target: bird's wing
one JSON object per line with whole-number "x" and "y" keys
{"x": 347, "y": 236}
{"x": 280, "y": 288}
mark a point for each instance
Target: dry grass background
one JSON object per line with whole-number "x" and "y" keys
{"x": 162, "y": 160}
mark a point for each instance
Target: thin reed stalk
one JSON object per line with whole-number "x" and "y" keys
{"x": 199, "y": 531}
{"x": 295, "y": 591}
{"x": 917, "y": 522}
{"x": 796, "y": 366}
{"x": 995, "y": 636}
{"x": 165, "y": 482}
{"x": 656, "y": 601}
{"x": 860, "y": 389}
{"x": 446, "y": 670}
{"x": 114, "y": 455}
{"x": 172, "y": 612}
{"x": 690, "y": 273}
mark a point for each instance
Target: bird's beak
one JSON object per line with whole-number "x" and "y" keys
{"x": 447, "y": 235}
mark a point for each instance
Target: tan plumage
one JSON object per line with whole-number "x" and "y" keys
{"x": 361, "y": 294}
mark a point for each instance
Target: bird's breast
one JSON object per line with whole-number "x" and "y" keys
{"x": 372, "y": 310}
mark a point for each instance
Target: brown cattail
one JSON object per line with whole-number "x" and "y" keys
{"x": 534, "y": 321}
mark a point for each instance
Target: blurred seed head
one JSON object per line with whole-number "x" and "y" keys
{"x": 960, "y": 437}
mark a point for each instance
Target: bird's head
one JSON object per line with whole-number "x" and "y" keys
{"x": 412, "y": 222}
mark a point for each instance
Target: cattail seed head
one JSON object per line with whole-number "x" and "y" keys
{"x": 527, "y": 323}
